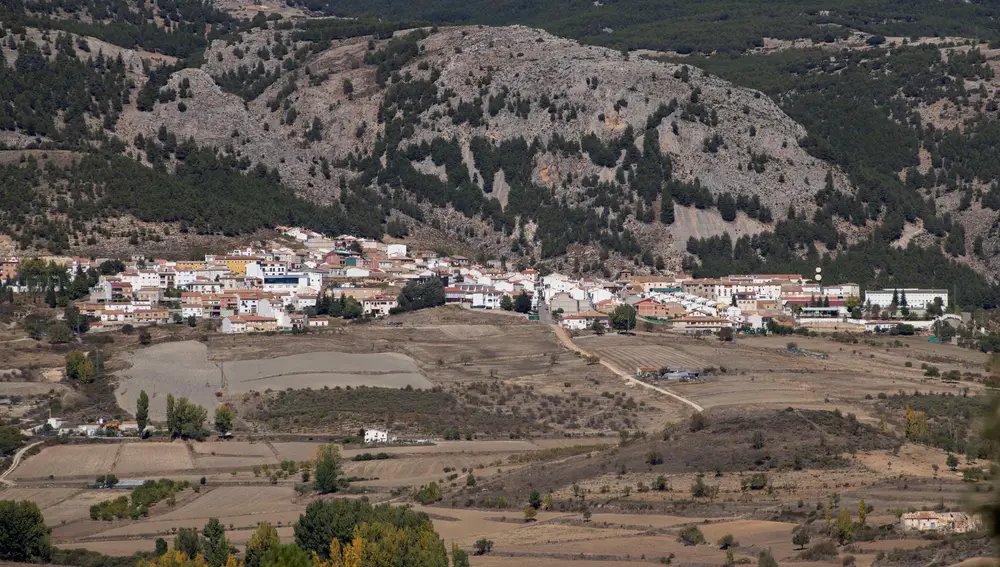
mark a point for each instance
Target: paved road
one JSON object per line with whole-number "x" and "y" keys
{"x": 17, "y": 460}
{"x": 566, "y": 340}
{"x": 544, "y": 315}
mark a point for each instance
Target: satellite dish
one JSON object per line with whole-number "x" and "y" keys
{"x": 819, "y": 277}
{"x": 818, "y": 269}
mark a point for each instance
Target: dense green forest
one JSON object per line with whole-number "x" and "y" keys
{"x": 706, "y": 26}
{"x": 173, "y": 27}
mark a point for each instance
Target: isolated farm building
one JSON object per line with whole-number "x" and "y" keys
{"x": 948, "y": 522}
{"x": 376, "y": 436}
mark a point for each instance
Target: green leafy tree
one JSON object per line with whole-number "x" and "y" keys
{"x": 286, "y": 556}
{"x": 10, "y": 439}
{"x": 23, "y": 535}
{"x": 216, "y": 547}
{"x": 623, "y": 317}
{"x": 952, "y": 462}
{"x": 263, "y": 539}
{"x": 522, "y": 303}
{"x": 421, "y": 295}
{"x": 507, "y": 304}
{"x": 80, "y": 367}
{"x": 142, "y": 411}
{"x": 161, "y": 546}
{"x": 188, "y": 541}
{"x": 188, "y": 419}
{"x": 224, "y": 416}
{"x": 843, "y": 527}
{"x": 535, "y": 499}
{"x": 171, "y": 414}
{"x": 327, "y": 470}
{"x": 459, "y": 558}
{"x": 765, "y": 559}
{"x": 800, "y": 538}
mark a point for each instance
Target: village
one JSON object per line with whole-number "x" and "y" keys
{"x": 292, "y": 285}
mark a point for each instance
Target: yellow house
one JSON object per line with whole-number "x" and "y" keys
{"x": 237, "y": 264}
{"x": 191, "y": 265}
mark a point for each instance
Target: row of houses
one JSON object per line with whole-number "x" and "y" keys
{"x": 747, "y": 301}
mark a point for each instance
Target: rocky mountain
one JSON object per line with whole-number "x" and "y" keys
{"x": 497, "y": 85}
{"x": 175, "y": 123}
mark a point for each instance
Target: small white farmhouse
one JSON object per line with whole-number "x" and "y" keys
{"x": 376, "y": 436}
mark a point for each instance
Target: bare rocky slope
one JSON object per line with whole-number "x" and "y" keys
{"x": 731, "y": 139}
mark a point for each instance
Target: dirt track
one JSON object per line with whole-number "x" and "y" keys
{"x": 566, "y": 340}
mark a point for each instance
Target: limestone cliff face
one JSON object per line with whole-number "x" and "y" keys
{"x": 730, "y": 138}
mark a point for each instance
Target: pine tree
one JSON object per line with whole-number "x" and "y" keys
{"x": 142, "y": 411}
{"x": 666, "y": 206}
{"x": 171, "y": 416}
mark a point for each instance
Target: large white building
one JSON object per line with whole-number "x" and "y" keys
{"x": 915, "y": 298}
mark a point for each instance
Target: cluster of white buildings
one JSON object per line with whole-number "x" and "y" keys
{"x": 746, "y": 302}
{"x": 281, "y": 286}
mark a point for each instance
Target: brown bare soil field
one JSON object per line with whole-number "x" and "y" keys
{"x": 469, "y": 525}
{"x": 44, "y": 497}
{"x": 205, "y": 463}
{"x": 319, "y": 369}
{"x": 152, "y": 459}
{"x": 158, "y": 528}
{"x": 761, "y": 373}
{"x": 178, "y": 368}
{"x": 77, "y": 507}
{"x": 237, "y": 501}
{"x": 296, "y": 450}
{"x": 232, "y": 449}
{"x": 452, "y": 447}
{"x": 527, "y": 536}
{"x": 67, "y": 461}
{"x": 416, "y": 470}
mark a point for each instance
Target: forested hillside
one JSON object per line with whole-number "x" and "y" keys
{"x": 872, "y": 157}
{"x": 705, "y": 26}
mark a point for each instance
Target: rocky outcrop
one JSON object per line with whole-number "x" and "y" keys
{"x": 730, "y": 138}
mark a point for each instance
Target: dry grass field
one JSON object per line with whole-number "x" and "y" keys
{"x": 761, "y": 372}
{"x": 529, "y": 401}
{"x": 69, "y": 461}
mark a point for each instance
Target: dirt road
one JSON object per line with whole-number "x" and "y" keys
{"x": 13, "y": 465}
{"x": 568, "y": 342}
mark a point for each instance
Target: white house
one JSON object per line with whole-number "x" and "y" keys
{"x": 395, "y": 250}
{"x": 196, "y": 311}
{"x": 487, "y": 299}
{"x": 376, "y": 436}
{"x": 915, "y": 298}
{"x": 378, "y": 306}
{"x": 951, "y": 522}
{"x": 584, "y": 320}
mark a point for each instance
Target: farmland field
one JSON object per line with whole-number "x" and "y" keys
{"x": 155, "y": 458}
{"x": 319, "y": 369}
{"x": 178, "y": 368}
{"x": 66, "y": 461}
{"x": 521, "y": 401}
